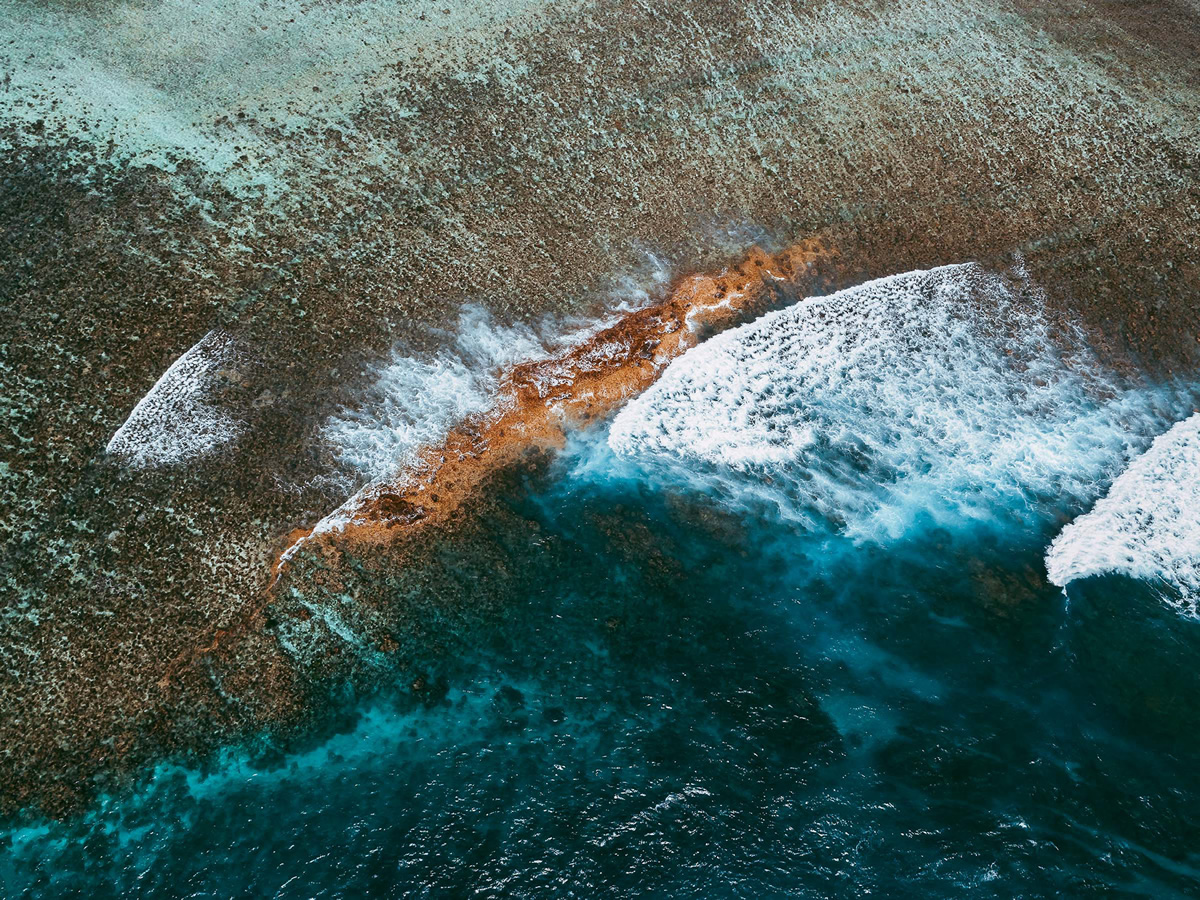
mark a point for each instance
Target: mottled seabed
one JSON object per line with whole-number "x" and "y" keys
{"x": 761, "y": 612}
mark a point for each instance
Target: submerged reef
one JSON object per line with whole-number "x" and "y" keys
{"x": 312, "y": 185}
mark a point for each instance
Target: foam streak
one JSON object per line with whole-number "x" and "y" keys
{"x": 1147, "y": 526}
{"x": 178, "y": 420}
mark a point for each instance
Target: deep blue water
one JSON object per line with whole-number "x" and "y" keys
{"x": 695, "y": 701}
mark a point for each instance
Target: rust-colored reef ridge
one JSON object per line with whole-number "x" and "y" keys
{"x": 540, "y": 400}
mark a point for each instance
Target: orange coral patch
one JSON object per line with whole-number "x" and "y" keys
{"x": 539, "y": 401}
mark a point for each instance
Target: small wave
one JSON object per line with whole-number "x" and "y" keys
{"x": 180, "y": 419}
{"x": 1147, "y": 526}
{"x": 945, "y": 395}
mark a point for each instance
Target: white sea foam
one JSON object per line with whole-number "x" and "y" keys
{"x": 943, "y": 395}
{"x": 1147, "y": 526}
{"x": 415, "y": 401}
{"x": 417, "y": 398}
{"x": 179, "y": 419}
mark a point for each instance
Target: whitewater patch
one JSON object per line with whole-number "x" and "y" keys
{"x": 417, "y": 398}
{"x": 181, "y": 418}
{"x": 534, "y": 403}
{"x": 1147, "y": 526}
{"x": 944, "y": 396}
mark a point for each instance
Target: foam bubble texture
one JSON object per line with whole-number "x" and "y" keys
{"x": 180, "y": 419}
{"x": 942, "y": 394}
{"x": 1147, "y": 526}
{"x": 416, "y": 399}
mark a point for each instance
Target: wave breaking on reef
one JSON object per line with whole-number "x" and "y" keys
{"x": 539, "y": 399}
{"x": 179, "y": 419}
{"x": 416, "y": 399}
{"x": 945, "y": 396}
{"x": 1147, "y": 526}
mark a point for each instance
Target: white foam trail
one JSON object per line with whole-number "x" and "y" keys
{"x": 942, "y": 395}
{"x": 178, "y": 420}
{"x": 417, "y": 399}
{"x": 1147, "y": 526}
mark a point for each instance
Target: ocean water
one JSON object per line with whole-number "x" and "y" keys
{"x": 827, "y": 664}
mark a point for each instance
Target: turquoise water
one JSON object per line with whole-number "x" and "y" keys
{"x": 704, "y": 701}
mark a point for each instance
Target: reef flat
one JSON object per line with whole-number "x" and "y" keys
{"x": 318, "y": 184}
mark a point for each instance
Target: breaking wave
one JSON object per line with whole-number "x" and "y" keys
{"x": 181, "y": 418}
{"x": 417, "y": 398}
{"x": 1147, "y": 526}
{"x": 942, "y": 397}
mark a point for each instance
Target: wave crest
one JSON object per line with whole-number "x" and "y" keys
{"x": 1147, "y": 526}
{"x": 946, "y": 394}
{"x": 181, "y": 418}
